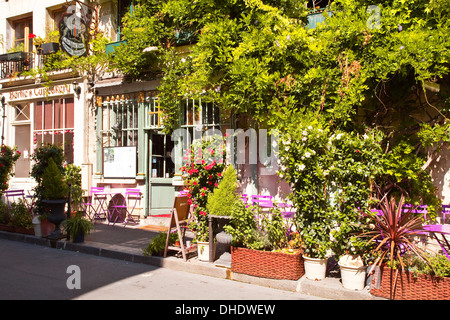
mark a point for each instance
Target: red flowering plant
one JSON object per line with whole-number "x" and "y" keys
{"x": 202, "y": 172}
{"x": 8, "y": 157}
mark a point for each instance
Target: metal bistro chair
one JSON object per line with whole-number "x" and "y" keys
{"x": 128, "y": 204}
{"x": 262, "y": 201}
{"x": 416, "y": 209}
{"x": 288, "y": 212}
{"x": 12, "y": 196}
{"x": 94, "y": 207}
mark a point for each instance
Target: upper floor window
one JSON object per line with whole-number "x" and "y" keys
{"x": 124, "y": 6}
{"x": 21, "y": 30}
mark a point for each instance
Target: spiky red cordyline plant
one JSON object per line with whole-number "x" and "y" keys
{"x": 393, "y": 231}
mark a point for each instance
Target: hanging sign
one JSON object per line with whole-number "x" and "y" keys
{"x": 74, "y": 28}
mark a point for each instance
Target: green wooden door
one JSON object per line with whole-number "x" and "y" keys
{"x": 161, "y": 169}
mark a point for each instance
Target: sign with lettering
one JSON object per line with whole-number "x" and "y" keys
{"x": 74, "y": 28}
{"x": 40, "y": 92}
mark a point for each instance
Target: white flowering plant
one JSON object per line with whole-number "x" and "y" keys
{"x": 331, "y": 174}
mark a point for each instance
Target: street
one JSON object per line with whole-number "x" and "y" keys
{"x": 32, "y": 272}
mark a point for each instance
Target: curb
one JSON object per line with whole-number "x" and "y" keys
{"x": 329, "y": 288}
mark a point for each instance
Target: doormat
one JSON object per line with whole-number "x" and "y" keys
{"x": 154, "y": 228}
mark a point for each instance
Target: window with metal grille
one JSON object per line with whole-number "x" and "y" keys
{"x": 120, "y": 122}
{"x": 199, "y": 115}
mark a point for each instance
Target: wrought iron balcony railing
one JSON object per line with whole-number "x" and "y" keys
{"x": 14, "y": 64}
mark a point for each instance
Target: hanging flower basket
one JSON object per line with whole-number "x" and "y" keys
{"x": 410, "y": 286}
{"x": 267, "y": 264}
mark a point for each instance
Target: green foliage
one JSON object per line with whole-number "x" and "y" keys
{"x": 364, "y": 83}
{"x": 4, "y": 213}
{"x": 252, "y": 228}
{"x": 76, "y": 224}
{"x": 331, "y": 174}
{"x": 8, "y": 157}
{"x": 439, "y": 265}
{"x": 40, "y": 159}
{"x": 20, "y": 215}
{"x": 158, "y": 243}
{"x": 72, "y": 175}
{"x": 224, "y": 197}
{"x": 53, "y": 183}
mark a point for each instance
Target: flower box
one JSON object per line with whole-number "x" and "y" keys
{"x": 6, "y": 227}
{"x": 23, "y": 230}
{"x": 49, "y": 47}
{"x": 267, "y": 264}
{"x": 411, "y": 286}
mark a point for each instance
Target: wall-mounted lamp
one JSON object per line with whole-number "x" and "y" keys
{"x": 76, "y": 88}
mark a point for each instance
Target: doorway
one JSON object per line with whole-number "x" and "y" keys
{"x": 161, "y": 170}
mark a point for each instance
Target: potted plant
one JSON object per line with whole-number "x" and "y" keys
{"x": 55, "y": 192}
{"x": 46, "y": 226}
{"x": 21, "y": 217}
{"x": 393, "y": 231}
{"x": 77, "y": 226}
{"x": 353, "y": 272}
{"x": 47, "y": 45}
{"x": 220, "y": 206}
{"x": 262, "y": 245}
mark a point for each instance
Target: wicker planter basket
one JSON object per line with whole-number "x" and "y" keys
{"x": 411, "y": 287}
{"x": 267, "y": 264}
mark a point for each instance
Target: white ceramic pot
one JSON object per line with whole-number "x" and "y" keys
{"x": 353, "y": 278}
{"x": 315, "y": 268}
{"x": 203, "y": 251}
{"x": 37, "y": 227}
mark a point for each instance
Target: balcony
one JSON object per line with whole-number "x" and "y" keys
{"x": 14, "y": 64}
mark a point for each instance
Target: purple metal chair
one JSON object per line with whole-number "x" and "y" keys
{"x": 244, "y": 198}
{"x": 128, "y": 205}
{"x": 262, "y": 201}
{"x": 94, "y": 208}
{"x": 445, "y": 211}
{"x": 423, "y": 209}
{"x": 288, "y": 213}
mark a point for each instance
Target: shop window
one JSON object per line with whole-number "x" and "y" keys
{"x": 54, "y": 124}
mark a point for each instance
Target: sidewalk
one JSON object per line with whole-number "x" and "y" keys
{"x": 126, "y": 243}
